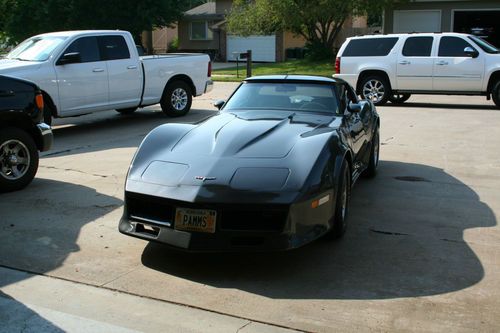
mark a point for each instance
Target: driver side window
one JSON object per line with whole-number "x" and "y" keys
{"x": 87, "y": 47}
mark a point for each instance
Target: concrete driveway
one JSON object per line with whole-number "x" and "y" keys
{"x": 422, "y": 251}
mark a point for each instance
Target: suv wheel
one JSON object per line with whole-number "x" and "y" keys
{"x": 399, "y": 98}
{"x": 376, "y": 89}
{"x": 496, "y": 94}
{"x": 18, "y": 159}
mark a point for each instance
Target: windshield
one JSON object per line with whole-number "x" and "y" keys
{"x": 36, "y": 48}
{"x": 301, "y": 97}
{"x": 487, "y": 47}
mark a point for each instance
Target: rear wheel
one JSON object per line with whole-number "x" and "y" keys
{"x": 18, "y": 159}
{"x": 177, "y": 99}
{"x": 341, "y": 204}
{"x": 399, "y": 98}
{"x": 371, "y": 171}
{"x": 126, "y": 111}
{"x": 375, "y": 88}
{"x": 496, "y": 94}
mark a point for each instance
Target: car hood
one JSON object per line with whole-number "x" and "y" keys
{"x": 11, "y": 66}
{"x": 268, "y": 134}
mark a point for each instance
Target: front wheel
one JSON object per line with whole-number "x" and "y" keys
{"x": 371, "y": 171}
{"x": 341, "y": 204}
{"x": 375, "y": 88}
{"x": 399, "y": 98}
{"x": 18, "y": 159}
{"x": 177, "y": 98}
{"x": 496, "y": 94}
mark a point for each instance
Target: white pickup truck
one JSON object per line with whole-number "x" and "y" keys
{"x": 82, "y": 72}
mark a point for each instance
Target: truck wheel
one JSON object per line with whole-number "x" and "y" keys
{"x": 496, "y": 94}
{"x": 18, "y": 159}
{"x": 176, "y": 100}
{"x": 399, "y": 98}
{"x": 126, "y": 111}
{"x": 375, "y": 88}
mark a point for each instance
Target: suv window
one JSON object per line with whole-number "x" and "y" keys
{"x": 87, "y": 47}
{"x": 418, "y": 47}
{"x": 453, "y": 47}
{"x": 114, "y": 47}
{"x": 370, "y": 47}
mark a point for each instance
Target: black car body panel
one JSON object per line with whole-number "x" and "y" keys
{"x": 259, "y": 171}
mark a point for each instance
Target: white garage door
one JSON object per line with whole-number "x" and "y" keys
{"x": 263, "y": 47}
{"x": 417, "y": 21}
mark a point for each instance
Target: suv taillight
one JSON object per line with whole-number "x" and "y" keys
{"x": 337, "y": 65}
{"x": 209, "y": 69}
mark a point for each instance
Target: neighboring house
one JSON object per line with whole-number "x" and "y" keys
{"x": 481, "y": 18}
{"x": 203, "y": 29}
{"x": 161, "y": 38}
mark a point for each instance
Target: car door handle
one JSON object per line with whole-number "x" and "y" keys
{"x": 405, "y": 62}
{"x": 6, "y": 93}
{"x": 132, "y": 67}
{"x": 98, "y": 70}
{"x": 442, "y": 63}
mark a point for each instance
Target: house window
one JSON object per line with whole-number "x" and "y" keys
{"x": 200, "y": 31}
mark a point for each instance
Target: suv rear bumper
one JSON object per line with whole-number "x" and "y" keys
{"x": 46, "y": 136}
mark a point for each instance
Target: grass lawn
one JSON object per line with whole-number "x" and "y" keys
{"x": 322, "y": 68}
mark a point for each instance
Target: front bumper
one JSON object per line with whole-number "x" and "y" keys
{"x": 46, "y": 138}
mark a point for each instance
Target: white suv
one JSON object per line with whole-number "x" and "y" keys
{"x": 392, "y": 67}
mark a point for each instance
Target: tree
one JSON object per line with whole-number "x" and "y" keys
{"x": 318, "y": 21}
{"x": 23, "y": 18}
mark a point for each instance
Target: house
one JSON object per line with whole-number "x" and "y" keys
{"x": 203, "y": 30}
{"x": 480, "y": 17}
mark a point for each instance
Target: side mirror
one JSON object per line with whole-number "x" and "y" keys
{"x": 219, "y": 104}
{"x": 70, "y": 58}
{"x": 470, "y": 52}
{"x": 354, "y": 107}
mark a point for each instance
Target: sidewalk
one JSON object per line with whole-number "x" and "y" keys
{"x": 35, "y": 303}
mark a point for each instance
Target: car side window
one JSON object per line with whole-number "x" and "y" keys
{"x": 418, "y": 47}
{"x": 114, "y": 47}
{"x": 87, "y": 47}
{"x": 370, "y": 47}
{"x": 453, "y": 47}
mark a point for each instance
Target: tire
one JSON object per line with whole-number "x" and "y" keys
{"x": 18, "y": 159}
{"x": 371, "y": 171}
{"x": 496, "y": 94}
{"x": 342, "y": 200}
{"x": 176, "y": 100}
{"x": 375, "y": 88}
{"x": 399, "y": 98}
{"x": 126, "y": 111}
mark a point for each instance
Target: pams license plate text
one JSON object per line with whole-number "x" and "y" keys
{"x": 199, "y": 220}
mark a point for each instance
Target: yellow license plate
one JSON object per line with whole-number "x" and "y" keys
{"x": 198, "y": 220}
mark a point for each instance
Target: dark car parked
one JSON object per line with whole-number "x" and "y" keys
{"x": 272, "y": 170}
{"x": 22, "y": 132}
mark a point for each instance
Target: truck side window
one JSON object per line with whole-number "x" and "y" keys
{"x": 418, "y": 47}
{"x": 453, "y": 47}
{"x": 87, "y": 47}
{"x": 114, "y": 47}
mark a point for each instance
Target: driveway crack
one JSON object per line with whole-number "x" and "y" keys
{"x": 74, "y": 170}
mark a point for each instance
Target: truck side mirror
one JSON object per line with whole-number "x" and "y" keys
{"x": 470, "y": 52}
{"x": 219, "y": 104}
{"x": 70, "y": 58}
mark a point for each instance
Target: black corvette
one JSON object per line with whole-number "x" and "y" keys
{"x": 272, "y": 170}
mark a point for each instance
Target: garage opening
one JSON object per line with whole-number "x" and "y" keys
{"x": 485, "y": 24}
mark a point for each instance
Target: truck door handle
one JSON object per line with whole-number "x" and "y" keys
{"x": 6, "y": 93}
{"x": 405, "y": 62}
{"x": 98, "y": 70}
{"x": 132, "y": 67}
{"x": 442, "y": 63}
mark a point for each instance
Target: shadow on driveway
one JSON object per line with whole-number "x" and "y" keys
{"x": 405, "y": 239}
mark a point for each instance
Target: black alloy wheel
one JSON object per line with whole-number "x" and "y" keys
{"x": 496, "y": 94}
{"x": 18, "y": 159}
{"x": 342, "y": 201}
{"x": 371, "y": 171}
{"x": 177, "y": 98}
